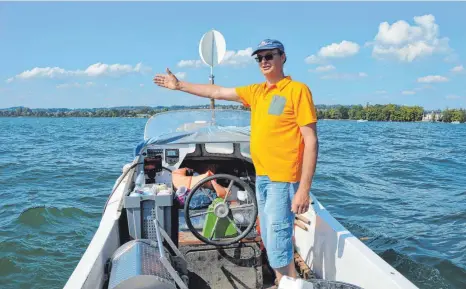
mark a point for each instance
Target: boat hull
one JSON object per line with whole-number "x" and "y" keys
{"x": 335, "y": 254}
{"x": 329, "y": 249}
{"x": 90, "y": 271}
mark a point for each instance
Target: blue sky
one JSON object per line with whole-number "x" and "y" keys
{"x": 89, "y": 54}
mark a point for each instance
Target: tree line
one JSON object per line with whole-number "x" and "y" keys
{"x": 141, "y": 111}
{"x": 450, "y": 115}
{"x": 388, "y": 112}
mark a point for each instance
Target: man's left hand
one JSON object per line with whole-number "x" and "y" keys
{"x": 301, "y": 201}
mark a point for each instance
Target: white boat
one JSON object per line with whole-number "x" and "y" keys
{"x": 150, "y": 241}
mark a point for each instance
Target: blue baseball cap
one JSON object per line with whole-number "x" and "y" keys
{"x": 267, "y": 44}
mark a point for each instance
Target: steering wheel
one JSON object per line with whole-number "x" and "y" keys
{"x": 221, "y": 213}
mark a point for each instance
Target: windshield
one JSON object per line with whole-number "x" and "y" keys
{"x": 194, "y": 119}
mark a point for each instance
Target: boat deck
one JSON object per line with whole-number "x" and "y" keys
{"x": 187, "y": 239}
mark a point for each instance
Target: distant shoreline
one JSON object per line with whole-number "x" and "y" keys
{"x": 385, "y": 113}
{"x": 136, "y": 117}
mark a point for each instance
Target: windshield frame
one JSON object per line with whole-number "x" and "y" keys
{"x": 169, "y": 124}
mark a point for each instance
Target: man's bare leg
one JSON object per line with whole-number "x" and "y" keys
{"x": 289, "y": 271}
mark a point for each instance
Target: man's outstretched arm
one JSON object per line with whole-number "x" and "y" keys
{"x": 170, "y": 81}
{"x": 311, "y": 148}
{"x": 210, "y": 91}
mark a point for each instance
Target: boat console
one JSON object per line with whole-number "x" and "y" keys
{"x": 195, "y": 221}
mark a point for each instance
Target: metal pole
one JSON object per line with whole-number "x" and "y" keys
{"x": 212, "y": 101}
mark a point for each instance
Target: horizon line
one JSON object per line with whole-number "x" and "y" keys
{"x": 218, "y": 105}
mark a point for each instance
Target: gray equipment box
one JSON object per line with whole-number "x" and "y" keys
{"x": 141, "y": 213}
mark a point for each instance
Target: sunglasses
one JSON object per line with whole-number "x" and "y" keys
{"x": 267, "y": 57}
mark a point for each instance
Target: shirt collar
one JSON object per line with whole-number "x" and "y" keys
{"x": 280, "y": 85}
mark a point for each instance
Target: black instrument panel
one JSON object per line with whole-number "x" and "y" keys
{"x": 154, "y": 152}
{"x": 172, "y": 156}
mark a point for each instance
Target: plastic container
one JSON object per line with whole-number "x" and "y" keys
{"x": 164, "y": 192}
{"x": 140, "y": 182}
{"x": 291, "y": 283}
{"x": 181, "y": 194}
{"x": 242, "y": 195}
{"x": 141, "y": 207}
{"x": 160, "y": 187}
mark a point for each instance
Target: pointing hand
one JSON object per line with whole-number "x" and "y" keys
{"x": 168, "y": 80}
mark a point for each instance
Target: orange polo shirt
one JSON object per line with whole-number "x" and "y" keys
{"x": 277, "y": 112}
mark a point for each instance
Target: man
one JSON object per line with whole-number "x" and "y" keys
{"x": 284, "y": 146}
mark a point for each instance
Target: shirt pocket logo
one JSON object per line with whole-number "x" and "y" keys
{"x": 277, "y": 105}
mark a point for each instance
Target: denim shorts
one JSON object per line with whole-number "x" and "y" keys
{"x": 276, "y": 219}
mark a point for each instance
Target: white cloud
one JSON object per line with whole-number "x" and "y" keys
{"x": 180, "y": 75}
{"x": 94, "y": 70}
{"x": 50, "y": 72}
{"x": 141, "y": 85}
{"x": 345, "y": 76}
{"x": 409, "y": 42}
{"x": 458, "y": 68}
{"x": 99, "y": 69}
{"x": 432, "y": 78}
{"x": 190, "y": 63}
{"x": 335, "y": 50}
{"x": 312, "y": 59}
{"x": 408, "y": 92}
{"x": 342, "y": 49}
{"x": 323, "y": 68}
{"x": 237, "y": 58}
{"x": 381, "y": 92}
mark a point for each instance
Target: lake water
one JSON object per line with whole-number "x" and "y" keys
{"x": 403, "y": 185}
